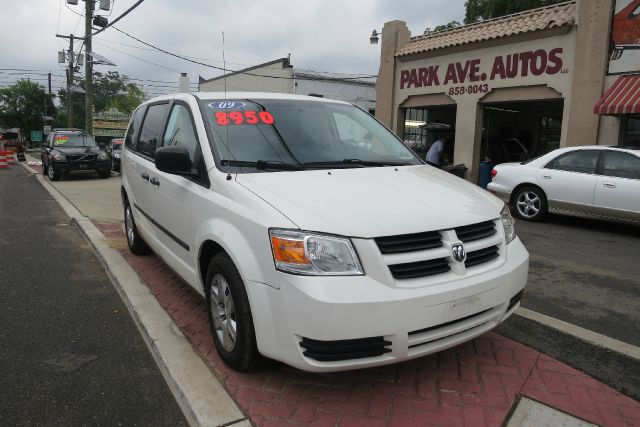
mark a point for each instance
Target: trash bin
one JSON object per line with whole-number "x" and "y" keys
{"x": 485, "y": 174}
{"x": 457, "y": 170}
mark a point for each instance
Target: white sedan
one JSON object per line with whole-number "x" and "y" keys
{"x": 587, "y": 180}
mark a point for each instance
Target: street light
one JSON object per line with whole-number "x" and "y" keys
{"x": 374, "y": 37}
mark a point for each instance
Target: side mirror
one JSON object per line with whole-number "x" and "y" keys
{"x": 174, "y": 160}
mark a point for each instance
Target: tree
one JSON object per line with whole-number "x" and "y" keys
{"x": 109, "y": 90}
{"x": 448, "y": 26}
{"x": 479, "y": 10}
{"x": 22, "y": 105}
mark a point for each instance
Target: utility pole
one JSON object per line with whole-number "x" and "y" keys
{"x": 70, "y": 82}
{"x": 88, "y": 69}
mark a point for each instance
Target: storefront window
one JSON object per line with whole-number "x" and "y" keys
{"x": 423, "y": 126}
{"x": 631, "y": 131}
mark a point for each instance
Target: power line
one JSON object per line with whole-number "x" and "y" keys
{"x": 135, "y": 57}
{"x": 126, "y": 12}
{"x": 239, "y": 72}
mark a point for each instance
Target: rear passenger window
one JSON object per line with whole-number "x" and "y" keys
{"x": 621, "y": 165}
{"x": 582, "y": 161}
{"x": 129, "y": 140}
{"x": 152, "y": 128}
{"x": 180, "y": 130}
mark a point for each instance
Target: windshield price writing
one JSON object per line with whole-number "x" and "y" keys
{"x": 244, "y": 118}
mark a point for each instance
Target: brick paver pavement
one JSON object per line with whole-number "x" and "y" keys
{"x": 474, "y": 384}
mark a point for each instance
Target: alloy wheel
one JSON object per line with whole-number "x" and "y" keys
{"x": 223, "y": 312}
{"x": 129, "y": 225}
{"x": 528, "y": 204}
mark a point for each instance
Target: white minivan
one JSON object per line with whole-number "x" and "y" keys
{"x": 316, "y": 236}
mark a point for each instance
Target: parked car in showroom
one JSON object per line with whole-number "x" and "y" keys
{"x": 595, "y": 181}
{"x": 317, "y": 237}
{"x": 72, "y": 150}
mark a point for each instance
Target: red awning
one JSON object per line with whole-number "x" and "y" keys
{"x": 621, "y": 98}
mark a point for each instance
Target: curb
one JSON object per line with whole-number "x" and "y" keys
{"x": 203, "y": 400}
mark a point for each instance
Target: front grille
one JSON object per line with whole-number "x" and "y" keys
{"x": 409, "y": 242}
{"x": 82, "y": 158}
{"x": 481, "y": 256}
{"x": 331, "y": 351}
{"x": 478, "y": 231}
{"x": 515, "y": 299}
{"x": 442, "y": 325}
{"x": 411, "y": 270}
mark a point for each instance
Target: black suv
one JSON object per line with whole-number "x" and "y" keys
{"x": 68, "y": 150}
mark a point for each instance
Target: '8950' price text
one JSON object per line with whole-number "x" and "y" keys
{"x": 469, "y": 89}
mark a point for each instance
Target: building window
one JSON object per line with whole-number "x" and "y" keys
{"x": 631, "y": 131}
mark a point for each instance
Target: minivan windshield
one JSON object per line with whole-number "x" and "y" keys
{"x": 285, "y": 134}
{"x": 73, "y": 140}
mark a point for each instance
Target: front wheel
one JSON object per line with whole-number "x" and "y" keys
{"x": 52, "y": 174}
{"x": 530, "y": 204}
{"x": 230, "y": 317}
{"x": 135, "y": 242}
{"x": 104, "y": 174}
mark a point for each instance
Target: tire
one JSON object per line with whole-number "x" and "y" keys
{"x": 52, "y": 174}
{"x": 230, "y": 314}
{"x": 104, "y": 174}
{"x": 136, "y": 243}
{"x": 530, "y": 204}
{"x": 45, "y": 168}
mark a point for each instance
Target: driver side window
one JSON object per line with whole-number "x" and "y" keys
{"x": 180, "y": 131}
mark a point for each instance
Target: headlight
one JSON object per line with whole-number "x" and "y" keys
{"x": 314, "y": 254}
{"x": 508, "y": 224}
{"x": 59, "y": 157}
{"x": 116, "y": 155}
{"x": 102, "y": 155}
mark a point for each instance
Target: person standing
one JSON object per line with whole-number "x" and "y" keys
{"x": 434, "y": 155}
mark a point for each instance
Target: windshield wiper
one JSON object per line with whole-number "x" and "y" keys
{"x": 262, "y": 164}
{"x": 357, "y": 162}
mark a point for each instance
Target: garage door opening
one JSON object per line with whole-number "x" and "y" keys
{"x": 423, "y": 126}
{"x": 517, "y": 131}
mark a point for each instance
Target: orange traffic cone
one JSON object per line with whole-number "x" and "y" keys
{"x": 3, "y": 160}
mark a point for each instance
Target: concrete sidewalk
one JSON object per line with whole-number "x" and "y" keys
{"x": 478, "y": 383}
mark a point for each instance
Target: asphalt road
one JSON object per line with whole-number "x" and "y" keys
{"x": 585, "y": 272}
{"x": 70, "y": 354}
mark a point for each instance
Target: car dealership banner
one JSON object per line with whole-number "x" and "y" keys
{"x": 111, "y": 123}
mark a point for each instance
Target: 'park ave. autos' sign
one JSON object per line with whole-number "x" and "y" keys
{"x": 110, "y": 123}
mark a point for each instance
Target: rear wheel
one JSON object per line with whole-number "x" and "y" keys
{"x": 104, "y": 174}
{"x": 230, "y": 317}
{"x": 45, "y": 168}
{"x": 530, "y": 204}
{"x": 136, "y": 244}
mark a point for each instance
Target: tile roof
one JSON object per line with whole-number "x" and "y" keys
{"x": 519, "y": 23}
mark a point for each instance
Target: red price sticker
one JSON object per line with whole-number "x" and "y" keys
{"x": 244, "y": 118}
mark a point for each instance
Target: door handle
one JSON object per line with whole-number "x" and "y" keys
{"x": 145, "y": 176}
{"x": 546, "y": 176}
{"x": 154, "y": 181}
{"x": 609, "y": 185}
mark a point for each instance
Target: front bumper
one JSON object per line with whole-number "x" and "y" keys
{"x": 66, "y": 167}
{"x": 311, "y": 316}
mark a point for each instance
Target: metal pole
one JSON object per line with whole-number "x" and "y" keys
{"x": 70, "y": 82}
{"x": 88, "y": 96}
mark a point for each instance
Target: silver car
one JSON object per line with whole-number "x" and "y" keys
{"x": 587, "y": 180}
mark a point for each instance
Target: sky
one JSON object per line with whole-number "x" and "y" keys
{"x": 320, "y": 35}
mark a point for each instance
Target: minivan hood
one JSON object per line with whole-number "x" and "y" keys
{"x": 373, "y": 202}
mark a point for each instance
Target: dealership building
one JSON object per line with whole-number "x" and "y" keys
{"x": 514, "y": 87}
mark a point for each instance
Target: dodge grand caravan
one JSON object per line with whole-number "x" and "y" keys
{"x": 316, "y": 236}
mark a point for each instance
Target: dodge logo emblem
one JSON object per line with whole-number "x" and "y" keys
{"x": 457, "y": 250}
